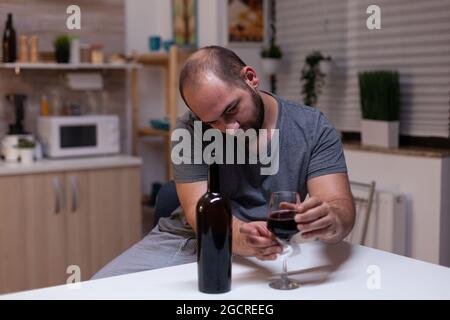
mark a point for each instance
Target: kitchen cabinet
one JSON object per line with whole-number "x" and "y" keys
{"x": 49, "y": 221}
{"x": 114, "y": 202}
{"x": 78, "y": 221}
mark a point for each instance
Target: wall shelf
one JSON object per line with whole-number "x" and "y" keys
{"x": 170, "y": 62}
{"x": 162, "y": 58}
{"x": 157, "y": 59}
{"x": 67, "y": 66}
{"x": 153, "y": 132}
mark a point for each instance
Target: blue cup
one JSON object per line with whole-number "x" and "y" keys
{"x": 155, "y": 43}
{"x": 167, "y": 44}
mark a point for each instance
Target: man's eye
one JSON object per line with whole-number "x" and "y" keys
{"x": 232, "y": 109}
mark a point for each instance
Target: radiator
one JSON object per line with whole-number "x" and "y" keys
{"x": 387, "y": 223}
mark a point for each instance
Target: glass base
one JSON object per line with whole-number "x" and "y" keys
{"x": 285, "y": 284}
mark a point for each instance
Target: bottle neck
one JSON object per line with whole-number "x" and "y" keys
{"x": 9, "y": 21}
{"x": 213, "y": 178}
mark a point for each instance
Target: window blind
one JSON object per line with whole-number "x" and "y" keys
{"x": 414, "y": 39}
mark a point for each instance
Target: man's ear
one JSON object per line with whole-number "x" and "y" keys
{"x": 250, "y": 77}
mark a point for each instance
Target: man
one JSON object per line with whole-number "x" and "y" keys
{"x": 222, "y": 92}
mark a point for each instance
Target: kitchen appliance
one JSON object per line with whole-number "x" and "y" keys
{"x": 17, "y": 100}
{"x": 16, "y": 130}
{"x": 77, "y": 136}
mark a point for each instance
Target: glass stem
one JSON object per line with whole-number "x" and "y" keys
{"x": 284, "y": 274}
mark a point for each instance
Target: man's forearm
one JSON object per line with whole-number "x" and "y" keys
{"x": 344, "y": 209}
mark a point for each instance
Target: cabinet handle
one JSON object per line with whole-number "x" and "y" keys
{"x": 58, "y": 194}
{"x": 74, "y": 186}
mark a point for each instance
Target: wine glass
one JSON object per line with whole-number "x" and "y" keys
{"x": 281, "y": 223}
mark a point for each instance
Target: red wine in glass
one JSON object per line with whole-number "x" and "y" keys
{"x": 280, "y": 221}
{"x": 282, "y": 224}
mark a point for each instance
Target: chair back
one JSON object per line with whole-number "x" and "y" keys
{"x": 166, "y": 201}
{"x": 363, "y": 194}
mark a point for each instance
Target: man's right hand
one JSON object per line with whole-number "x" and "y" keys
{"x": 254, "y": 239}
{"x": 249, "y": 239}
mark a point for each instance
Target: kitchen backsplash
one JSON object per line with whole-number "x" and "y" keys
{"x": 97, "y": 24}
{"x": 35, "y": 83}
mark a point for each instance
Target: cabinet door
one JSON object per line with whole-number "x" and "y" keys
{"x": 32, "y": 232}
{"x": 48, "y": 227}
{"x": 77, "y": 211}
{"x": 114, "y": 211}
{"x": 130, "y": 206}
{"x": 12, "y": 228}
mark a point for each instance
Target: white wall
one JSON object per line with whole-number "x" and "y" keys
{"x": 148, "y": 17}
{"x": 425, "y": 185}
{"x": 445, "y": 212}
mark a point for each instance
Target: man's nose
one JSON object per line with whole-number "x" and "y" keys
{"x": 227, "y": 125}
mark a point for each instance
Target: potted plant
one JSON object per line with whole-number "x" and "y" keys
{"x": 312, "y": 77}
{"x": 271, "y": 55}
{"x": 271, "y": 58}
{"x": 26, "y": 150}
{"x": 380, "y": 105}
{"x": 62, "y": 48}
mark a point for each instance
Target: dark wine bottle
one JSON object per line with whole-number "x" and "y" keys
{"x": 214, "y": 235}
{"x": 9, "y": 41}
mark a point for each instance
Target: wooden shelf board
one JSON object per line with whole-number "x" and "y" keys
{"x": 148, "y": 131}
{"x": 153, "y": 58}
{"x": 162, "y": 58}
{"x": 67, "y": 66}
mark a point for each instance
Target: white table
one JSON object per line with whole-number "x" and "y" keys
{"x": 326, "y": 271}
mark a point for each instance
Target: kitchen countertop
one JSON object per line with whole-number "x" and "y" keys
{"x": 326, "y": 271}
{"x": 403, "y": 150}
{"x": 48, "y": 165}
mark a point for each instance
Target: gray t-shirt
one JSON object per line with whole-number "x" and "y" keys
{"x": 309, "y": 147}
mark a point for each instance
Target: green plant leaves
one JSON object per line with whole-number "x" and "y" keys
{"x": 312, "y": 78}
{"x": 379, "y": 93}
{"x": 273, "y": 52}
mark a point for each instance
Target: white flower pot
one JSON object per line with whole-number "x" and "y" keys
{"x": 325, "y": 67}
{"x": 26, "y": 155}
{"x": 380, "y": 133}
{"x": 12, "y": 154}
{"x": 270, "y": 65}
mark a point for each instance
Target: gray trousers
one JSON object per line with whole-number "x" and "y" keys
{"x": 171, "y": 242}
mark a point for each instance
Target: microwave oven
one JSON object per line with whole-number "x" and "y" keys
{"x": 77, "y": 136}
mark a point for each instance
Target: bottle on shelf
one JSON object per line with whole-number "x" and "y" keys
{"x": 45, "y": 108}
{"x": 9, "y": 41}
{"x": 214, "y": 236}
{"x": 75, "y": 50}
{"x": 34, "y": 49}
{"x": 23, "y": 49}
{"x": 97, "y": 56}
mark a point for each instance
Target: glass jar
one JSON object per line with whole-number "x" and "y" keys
{"x": 85, "y": 53}
{"x": 97, "y": 53}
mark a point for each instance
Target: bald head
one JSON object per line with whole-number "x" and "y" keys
{"x": 221, "y": 62}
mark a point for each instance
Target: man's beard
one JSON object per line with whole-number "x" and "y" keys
{"x": 258, "y": 110}
{"x": 256, "y": 123}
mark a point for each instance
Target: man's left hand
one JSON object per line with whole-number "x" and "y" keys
{"x": 317, "y": 219}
